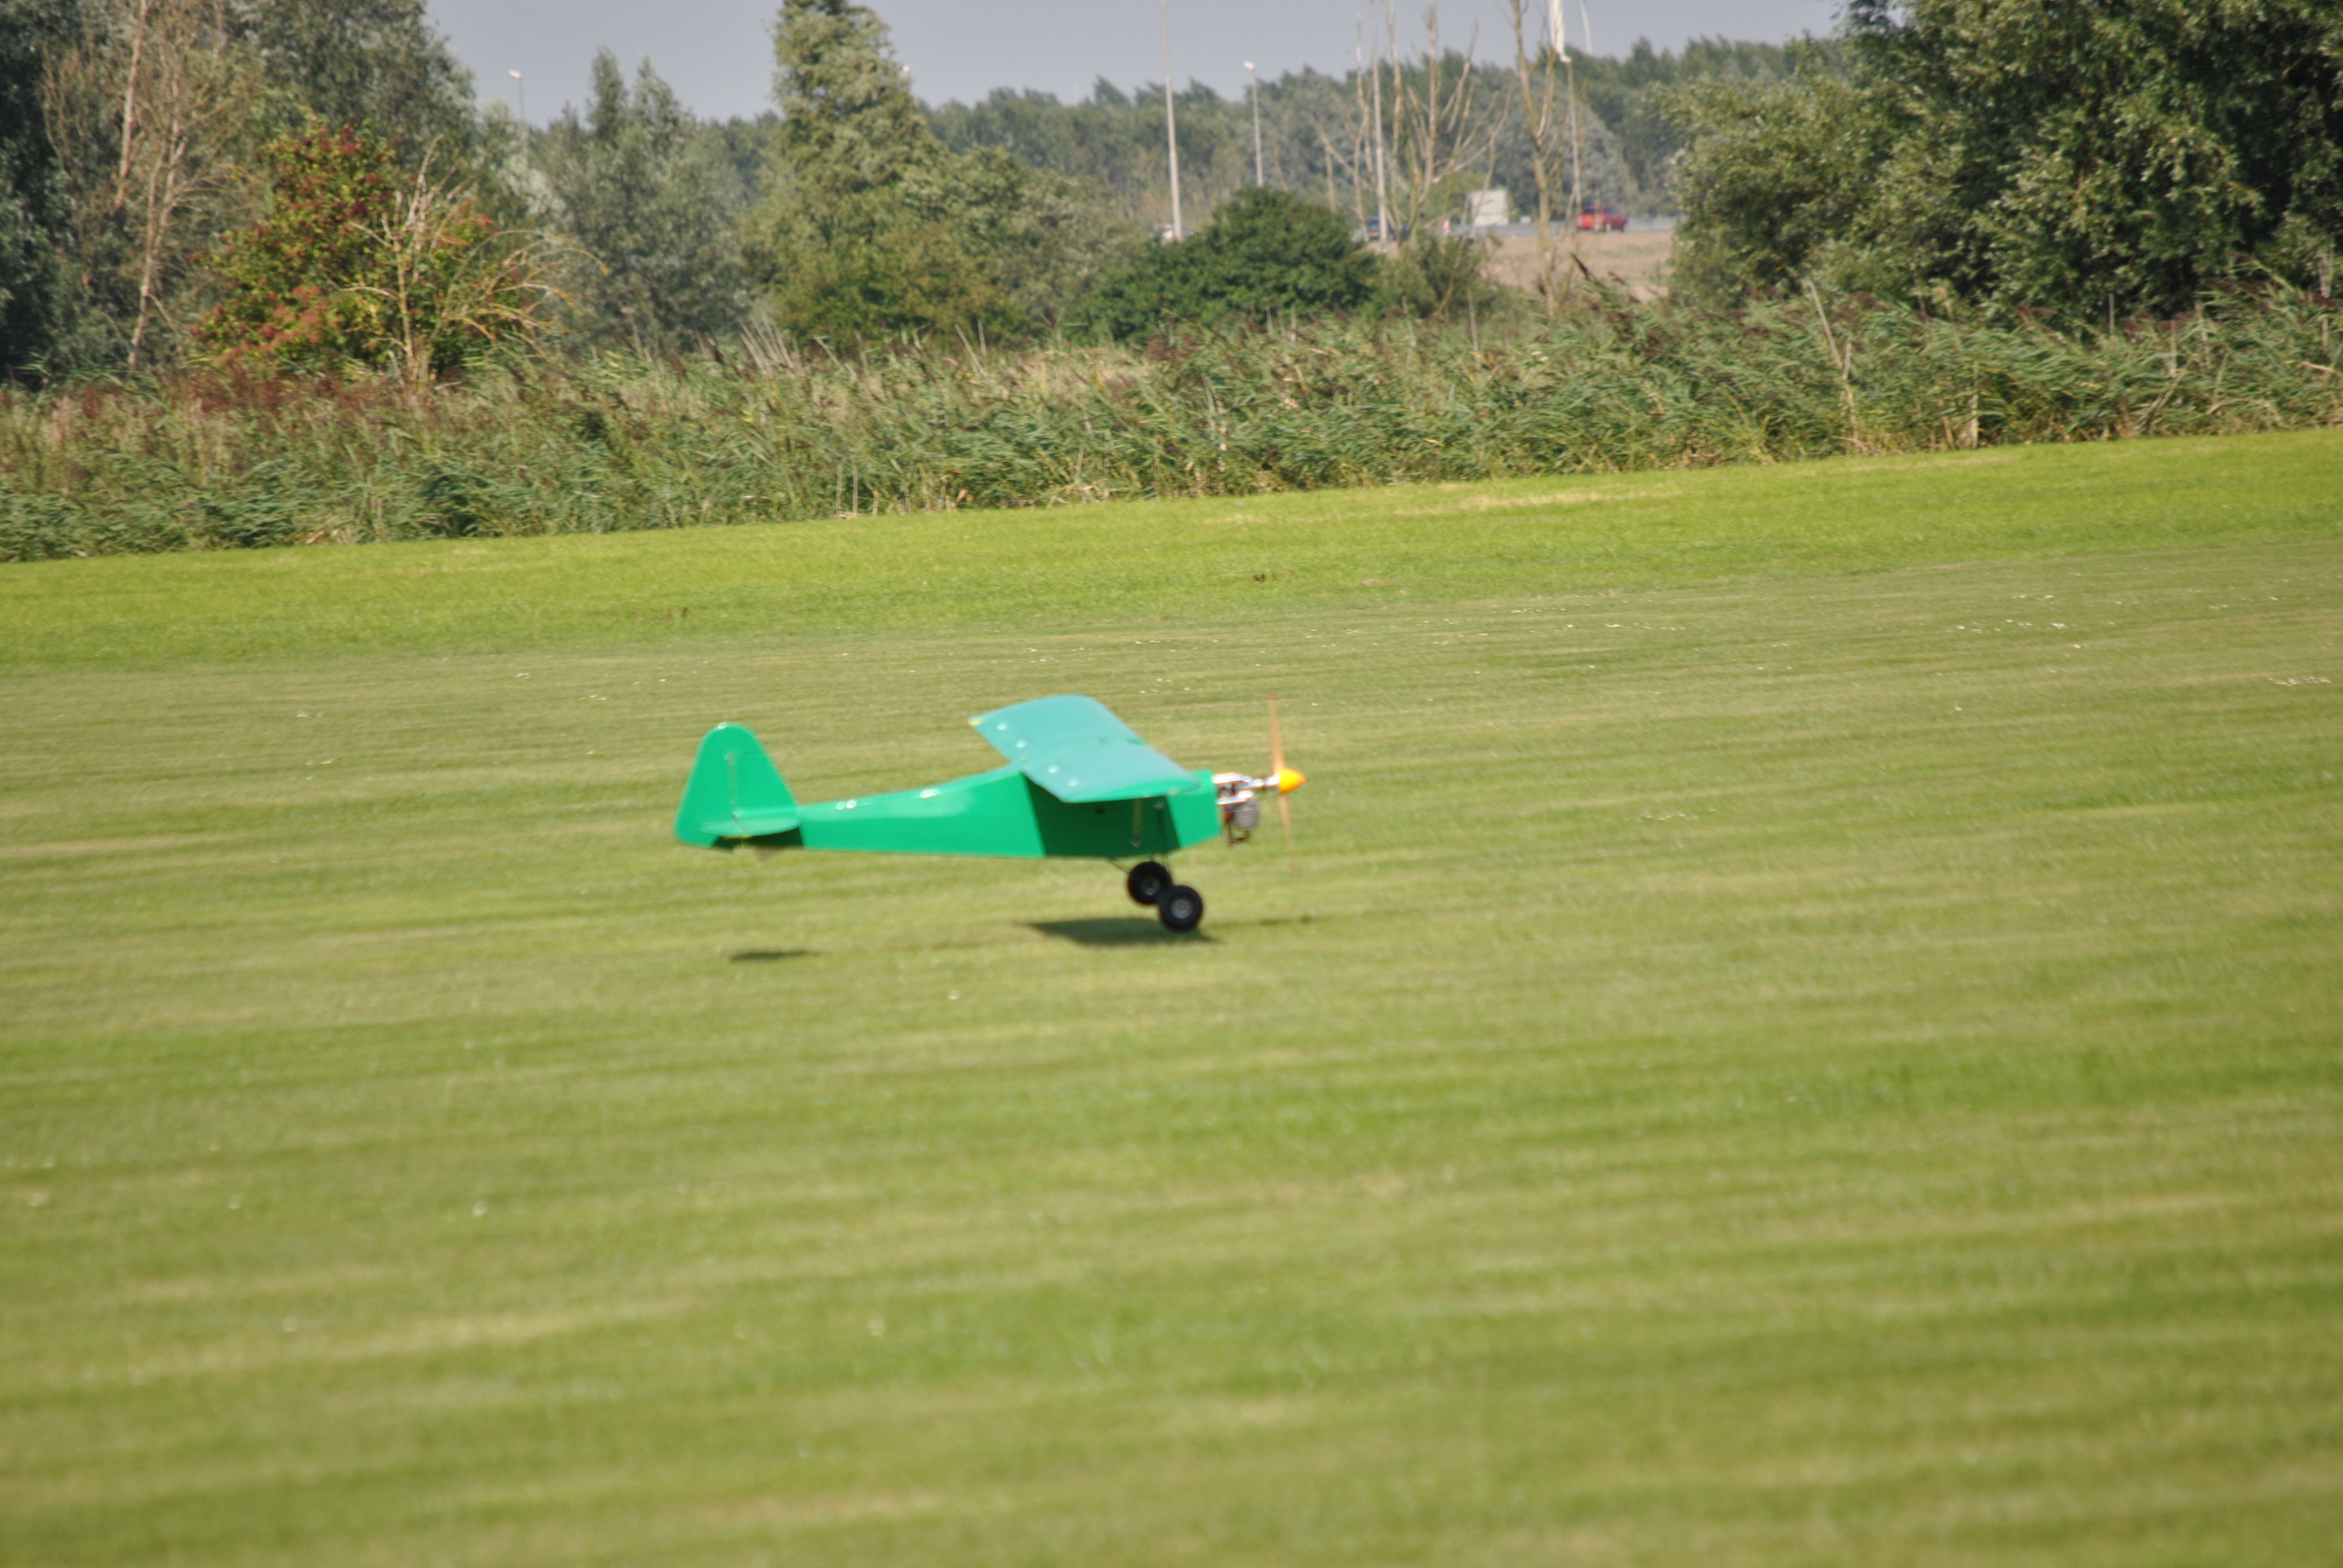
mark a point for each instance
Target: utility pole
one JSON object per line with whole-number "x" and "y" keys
{"x": 1554, "y": 17}
{"x": 1171, "y": 122}
{"x": 1382, "y": 185}
{"x": 1577, "y": 181}
{"x": 1253, "y": 90}
{"x": 1586, "y": 45}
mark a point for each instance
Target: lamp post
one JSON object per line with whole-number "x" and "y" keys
{"x": 1383, "y": 174}
{"x": 1171, "y": 122}
{"x": 520, "y": 94}
{"x": 1570, "y": 93}
{"x": 1253, "y": 91}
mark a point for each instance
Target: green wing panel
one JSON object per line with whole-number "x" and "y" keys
{"x": 1080, "y": 753}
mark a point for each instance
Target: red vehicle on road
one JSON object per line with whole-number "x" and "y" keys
{"x": 1602, "y": 217}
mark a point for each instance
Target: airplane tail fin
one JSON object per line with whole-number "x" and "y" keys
{"x": 735, "y": 794}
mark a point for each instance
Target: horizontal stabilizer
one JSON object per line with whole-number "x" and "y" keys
{"x": 1080, "y": 753}
{"x": 750, "y": 824}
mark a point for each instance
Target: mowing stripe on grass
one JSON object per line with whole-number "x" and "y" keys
{"x": 1823, "y": 1063}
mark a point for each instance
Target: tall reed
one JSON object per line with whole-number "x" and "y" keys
{"x": 772, "y": 433}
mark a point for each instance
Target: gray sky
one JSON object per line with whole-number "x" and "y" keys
{"x": 718, "y": 58}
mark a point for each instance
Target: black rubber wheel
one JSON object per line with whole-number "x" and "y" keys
{"x": 1179, "y": 908}
{"x": 1146, "y": 883}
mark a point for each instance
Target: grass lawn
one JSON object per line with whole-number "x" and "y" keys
{"x": 1803, "y": 1029}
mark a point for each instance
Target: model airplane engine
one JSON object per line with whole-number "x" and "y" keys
{"x": 1240, "y": 806}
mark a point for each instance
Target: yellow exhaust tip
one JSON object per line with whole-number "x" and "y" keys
{"x": 1289, "y": 779}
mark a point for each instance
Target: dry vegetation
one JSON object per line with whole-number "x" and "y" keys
{"x": 770, "y": 433}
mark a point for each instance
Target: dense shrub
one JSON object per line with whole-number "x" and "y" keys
{"x": 649, "y": 200}
{"x": 358, "y": 261}
{"x": 219, "y": 461}
{"x": 2029, "y": 154}
{"x": 1266, "y": 254}
{"x": 871, "y": 228}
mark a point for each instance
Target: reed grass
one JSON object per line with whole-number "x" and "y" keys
{"x": 771, "y": 433}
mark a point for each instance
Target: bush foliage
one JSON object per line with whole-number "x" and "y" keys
{"x": 869, "y": 227}
{"x": 361, "y": 263}
{"x": 1266, "y": 255}
{"x": 648, "y": 203}
{"x": 2086, "y": 160}
{"x": 223, "y": 460}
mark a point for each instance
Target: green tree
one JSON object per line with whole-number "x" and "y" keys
{"x": 1043, "y": 239}
{"x": 851, "y": 132}
{"x": 360, "y": 261}
{"x": 376, "y": 63}
{"x": 149, "y": 108}
{"x": 870, "y": 227}
{"x": 1775, "y": 183}
{"x": 1626, "y": 94}
{"x": 1441, "y": 279}
{"x": 36, "y": 216}
{"x": 1265, "y": 254}
{"x": 2080, "y": 159}
{"x": 1314, "y": 137}
{"x": 650, "y": 199}
{"x": 839, "y": 243}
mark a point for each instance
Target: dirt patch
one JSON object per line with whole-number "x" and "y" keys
{"x": 1638, "y": 258}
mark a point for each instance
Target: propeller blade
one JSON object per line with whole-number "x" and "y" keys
{"x": 1277, "y": 772}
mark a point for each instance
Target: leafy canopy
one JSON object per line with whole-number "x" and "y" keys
{"x": 36, "y": 219}
{"x": 648, "y": 195}
{"x": 1265, "y": 254}
{"x": 2074, "y": 158}
{"x": 364, "y": 61}
{"x": 870, "y": 227}
{"x": 359, "y": 261}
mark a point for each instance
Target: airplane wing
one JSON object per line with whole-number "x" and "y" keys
{"x": 1081, "y": 753}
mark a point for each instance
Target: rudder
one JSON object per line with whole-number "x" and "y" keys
{"x": 735, "y": 793}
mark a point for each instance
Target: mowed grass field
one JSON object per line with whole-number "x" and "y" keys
{"x": 1804, "y": 1028}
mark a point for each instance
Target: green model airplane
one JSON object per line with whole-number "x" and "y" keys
{"x": 1079, "y": 782}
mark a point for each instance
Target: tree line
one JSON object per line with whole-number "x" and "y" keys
{"x": 2082, "y": 161}
{"x": 1316, "y": 128}
{"x": 306, "y": 185}
{"x": 301, "y": 183}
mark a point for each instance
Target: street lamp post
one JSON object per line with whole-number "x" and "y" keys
{"x": 1171, "y": 122}
{"x": 520, "y": 94}
{"x": 1253, "y": 91}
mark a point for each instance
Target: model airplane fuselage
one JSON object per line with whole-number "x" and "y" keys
{"x": 1078, "y": 782}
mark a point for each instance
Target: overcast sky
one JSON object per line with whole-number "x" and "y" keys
{"x": 717, "y": 56}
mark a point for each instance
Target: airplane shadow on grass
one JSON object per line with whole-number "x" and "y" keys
{"x": 1127, "y": 931}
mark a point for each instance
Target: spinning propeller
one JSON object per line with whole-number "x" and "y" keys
{"x": 1286, "y": 779}
{"x": 1241, "y": 793}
